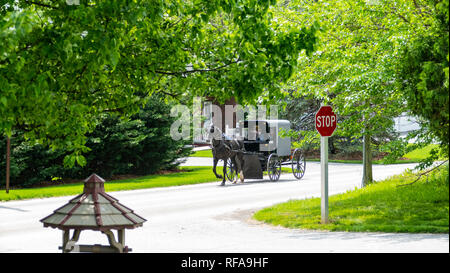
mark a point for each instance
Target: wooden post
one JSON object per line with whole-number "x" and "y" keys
{"x": 8, "y": 155}
{"x": 121, "y": 236}
{"x": 65, "y": 240}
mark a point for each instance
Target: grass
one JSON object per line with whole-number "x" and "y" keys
{"x": 422, "y": 207}
{"x": 354, "y": 161}
{"x": 192, "y": 175}
{"x": 202, "y": 153}
{"x": 411, "y": 157}
{"x": 421, "y": 153}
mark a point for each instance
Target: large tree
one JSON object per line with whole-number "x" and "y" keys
{"x": 352, "y": 67}
{"x": 423, "y": 69}
{"x": 62, "y": 65}
{"x": 355, "y": 67}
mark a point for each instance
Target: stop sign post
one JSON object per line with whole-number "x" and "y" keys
{"x": 325, "y": 124}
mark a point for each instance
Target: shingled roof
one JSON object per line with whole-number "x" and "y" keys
{"x": 93, "y": 210}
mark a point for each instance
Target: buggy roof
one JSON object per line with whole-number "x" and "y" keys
{"x": 270, "y": 122}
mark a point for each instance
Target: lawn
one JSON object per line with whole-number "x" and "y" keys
{"x": 202, "y": 153}
{"x": 421, "y": 153}
{"x": 192, "y": 175}
{"x": 384, "y": 206}
{"x": 411, "y": 157}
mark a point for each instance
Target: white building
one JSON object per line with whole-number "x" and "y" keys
{"x": 405, "y": 124}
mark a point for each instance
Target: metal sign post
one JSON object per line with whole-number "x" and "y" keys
{"x": 325, "y": 124}
{"x": 324, "y": 179}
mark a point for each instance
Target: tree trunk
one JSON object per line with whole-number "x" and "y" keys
{"x": 8, "y": 155}
{"x": 367, "y": 161}
{"x": 332, "y": 147}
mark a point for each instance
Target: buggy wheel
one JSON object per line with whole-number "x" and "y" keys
{"x": 230, "y": 172}
{"x": 274, "y": 167}
{"x": 298, "y": 164}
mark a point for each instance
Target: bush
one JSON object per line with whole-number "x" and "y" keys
{"x": 140, "y": 145}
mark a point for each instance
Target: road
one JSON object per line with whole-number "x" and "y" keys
{"x": 210, "y": 218}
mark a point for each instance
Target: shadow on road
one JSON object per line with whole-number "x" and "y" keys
{"x": 396, "y": 238}
{"x": 21, "y": 210}
{"x": 255, "y": 181}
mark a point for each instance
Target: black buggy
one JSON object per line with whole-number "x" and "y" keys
{"x": 266, "y": 150}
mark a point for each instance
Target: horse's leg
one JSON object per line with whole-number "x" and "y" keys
{"x": 240, "y": 161}
{"x": 236, "y": 167}
{"x": 224, "y": 171}
{"x": 214, "y": 167}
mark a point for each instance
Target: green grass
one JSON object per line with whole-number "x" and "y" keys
{"x": 412, "y": 157}
{"x": 376, "y": 162}
{"x": 421, "y": 153}
{"x": 208, "y": 153}
{"x": 202, "y": 153}
{"x": 194, "y": 175}
{"x": 422, "y": 207}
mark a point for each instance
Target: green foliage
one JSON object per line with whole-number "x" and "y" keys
{"x": 423, "y": 71}
{"x": 368, "y": 50}
{"x": 141, "y": 145}
{"x": 301, "y": 110}
{"x": 62, "y": 66}
{"x": 382, "y": 206}
{"x": 352, "y": 67}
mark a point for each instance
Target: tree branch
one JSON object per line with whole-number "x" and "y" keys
{"x": 424, "y": 173}
{"x": 195, "y": 70}
{"x": 41, "y": 4}
{"x": 173, "y": 95}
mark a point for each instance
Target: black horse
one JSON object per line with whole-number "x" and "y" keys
{"x": 224, "y": 149}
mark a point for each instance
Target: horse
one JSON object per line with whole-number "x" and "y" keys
{"x": 224, "y": 149}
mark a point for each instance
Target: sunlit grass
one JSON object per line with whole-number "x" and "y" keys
{"x": 411, "y": 157}
{"x": 202, "y": 153}
{"x": 382, "y": 206}
{"x": 191, "y": 175}
{"x": 421, "y": 153}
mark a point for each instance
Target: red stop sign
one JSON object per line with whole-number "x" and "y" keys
{"x": 325, "y": 121}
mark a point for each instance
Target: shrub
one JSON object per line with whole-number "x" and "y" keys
{"x": 140, "y": 145}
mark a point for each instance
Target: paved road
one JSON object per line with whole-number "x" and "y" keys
{"x": 210, "y": 218}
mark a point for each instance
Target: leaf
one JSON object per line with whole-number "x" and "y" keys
{"x": 114, "y": 58}
{"x": 81, "y": 160}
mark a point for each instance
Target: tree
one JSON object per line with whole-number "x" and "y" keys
{"x": 353, "y": 68}
{"x": 140, "y": 145}
{"x": 62, "y": 66}
{"x": 423, "y": 70}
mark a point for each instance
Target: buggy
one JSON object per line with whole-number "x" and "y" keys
{"x": 266, "y": 150}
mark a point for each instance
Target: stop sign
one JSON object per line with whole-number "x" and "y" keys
{"x": 325, "y": 121}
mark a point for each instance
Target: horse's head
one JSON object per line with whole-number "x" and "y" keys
{"x": 212, "y": 128}
{"x": 215, "y": 134}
